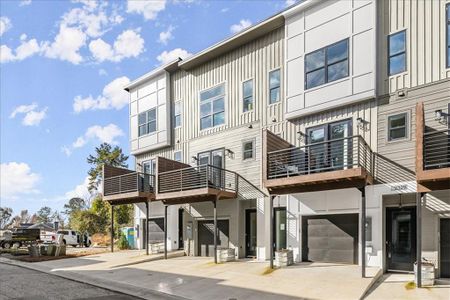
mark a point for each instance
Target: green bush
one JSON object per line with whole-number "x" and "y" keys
{"x": 123, "y": 243}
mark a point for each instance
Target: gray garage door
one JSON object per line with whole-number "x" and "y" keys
{"x": 206, "y": 236}
{"x": 331, "y": 238}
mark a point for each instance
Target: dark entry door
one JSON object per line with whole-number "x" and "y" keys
{"x": 180, "y": 228}
{"x": 214, "y": 158}
{"x": 445, "y": 248}
{"x": 279, "y": 228}
{"x": 250, "y": 232}
{"x": 401, "y": 238}
{"x": 330, "y": 238}
{"x": 206, "y": 236}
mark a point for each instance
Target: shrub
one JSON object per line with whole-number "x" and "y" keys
{"x": 123, "y": 243}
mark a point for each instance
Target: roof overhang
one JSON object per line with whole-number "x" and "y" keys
{"x": 169, "y": 67}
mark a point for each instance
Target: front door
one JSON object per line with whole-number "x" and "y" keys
{"x": 400, "y": 238}
{"x": 214, "y": 158}
{"x": 250, "y": 232}
{"x": 279, "y": 228}
{"x": 180, "y": 228}
{"x": 445, "y": 248}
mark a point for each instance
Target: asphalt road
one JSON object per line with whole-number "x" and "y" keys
{"x": 21, "y": 283}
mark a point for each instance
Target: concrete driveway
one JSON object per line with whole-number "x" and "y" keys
{"x": 200, "y": 278}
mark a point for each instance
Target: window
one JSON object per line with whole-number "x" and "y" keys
{"x": 147, "y": 122}
{"x": 177, "y": 114}
{"x": 248, "y": 150}
{"x": 177, "y": 156}
{"x": 397, "y": 52}
{"x": 326, "y": 65}
{"x": 447, "y": 7}
{"x": 247, "y": 94}
{"x": 397, "y": 127}
{"x": 274, "y": 86}
{"x": 150, "y": 167}
{"x": 212, "y": 107}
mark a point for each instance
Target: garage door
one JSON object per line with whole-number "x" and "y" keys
{"x": 331, "y": 238}
{"x": 206, "y": 236}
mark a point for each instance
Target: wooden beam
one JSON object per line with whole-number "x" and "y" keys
{"x": 420, "y": 129}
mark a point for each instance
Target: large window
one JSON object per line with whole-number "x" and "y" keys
{"x": 398, "y": 127}
{"x": 149, "y": 167}
{"x": 397, "y": 52}
{"x": 177, "y": 114}
{"x": 274, "y": 86}
{"x": 326, "y": 65}
{"x": 448, "y": 33}
{"x": 212, "y": 107}
{"x": 247, "y": 94}
{"x": 147, "y": 122}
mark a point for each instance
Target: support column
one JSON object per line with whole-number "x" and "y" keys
{"x": 419, "y": 197}
{"x": 215, "y": 230}
{"x": 165, "y": 232}
{"x": 146, "y": 227}
{"x": 363, "y": 232}
{"x": 271, "y": 197}
{"x": 112, "y": 228}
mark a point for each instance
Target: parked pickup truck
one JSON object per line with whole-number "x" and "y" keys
{"x": 18, "y": 237}
{"x": 75, "y": 238}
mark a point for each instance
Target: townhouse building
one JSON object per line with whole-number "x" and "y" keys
{"x": 322, "y": 129}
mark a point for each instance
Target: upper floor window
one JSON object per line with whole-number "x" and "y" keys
{"x": 149, "y": 167}
{"x": 147, "y": 122}
{"x": 177, "y": 156}
{"x": 274, "y": 86}
{"x": 212, "y": 107}
{"x": 397, "y": 52}
{"x": 448, "y": 34}
{"x": 177, "y": 114}
{"x": 248, "y": 150}
{"x": 327, "y": 64}
{"x": 398, "y": 127}
{"x": 247, "y": 94}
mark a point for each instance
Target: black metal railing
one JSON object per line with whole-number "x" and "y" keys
{"x": 338, "y": 154}
{"x": 131, "y": 182}
{"x": 436, "y": 149}
{"x": 197, "y": 177}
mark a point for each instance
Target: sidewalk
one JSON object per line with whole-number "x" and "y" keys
{"x": 132, "y": 273}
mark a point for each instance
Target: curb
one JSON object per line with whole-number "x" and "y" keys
{"x": 138, "y": 292}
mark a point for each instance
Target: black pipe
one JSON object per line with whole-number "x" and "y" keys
{"x": 363, "y": 232}
{"x": 112, "y": 228}
{"x": 215, "y": 230}
{"x": 271, "y": 197}
{"x": 146, "y": 227}
{"x": 419, "y": 237}
{"x": 165, "y": 232}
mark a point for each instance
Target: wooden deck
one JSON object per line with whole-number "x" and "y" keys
{"x": 194, "y": 196}
{"x": 129, "y": 198}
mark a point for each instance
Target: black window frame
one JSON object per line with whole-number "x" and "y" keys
{"x": 244, "y": 97}
{"x": 447, "y": 23}
{"x": 396, "y": 54}
{"x": 326, "y": 65}
{"x": 252, "y": 150}
{"x": 211, "y": 100}
{"x": 389, "y": 128}
{"x": 277, "y": 87}
{"x": 147, "y": 123}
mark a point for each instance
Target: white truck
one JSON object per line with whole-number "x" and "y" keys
{"x": 75, "y": 238}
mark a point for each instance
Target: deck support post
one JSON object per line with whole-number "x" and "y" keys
{"x": 215, "y": 229}
{"x": 363, "y": 231}
{"x": 146, "y": 227}
{"x": 112, "y": 228}
{"x": 419, "y": 197}
{"x": 271, "y": 197}
{"x": 165, "y": 232}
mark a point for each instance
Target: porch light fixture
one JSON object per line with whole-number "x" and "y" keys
{"x": 440, "y": 116}
{"x": 194, "y": 159}
{"x": 228, "y": 153}
{"x": 301, "y": 136}
{"x": 361, "y": 123}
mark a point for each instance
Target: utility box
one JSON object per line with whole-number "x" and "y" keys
{"x": 129, "y": 233}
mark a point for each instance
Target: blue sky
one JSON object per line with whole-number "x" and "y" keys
{"x": 63, "y": 66}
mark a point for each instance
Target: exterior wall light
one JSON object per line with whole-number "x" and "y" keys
{"x": 194, "y": 159}
{"x": 440, "y": 116}
{"x": 301, "y": 136}
{"x": 361, "y": 123}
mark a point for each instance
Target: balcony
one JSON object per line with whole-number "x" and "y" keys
{"x": 122, "y": 186}
{"x": 196, "y": 184}
{"x": 334, "y": 164}
{"x": 433, "y": 152}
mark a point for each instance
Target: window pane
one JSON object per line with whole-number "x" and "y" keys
{"x": 177, "y": 108}
{"x": 142, "y": 118}
{"x": 219, "y": 105}
{"x": 248, "y": 89}
{"x": 274, "y": 79}
{"x": 152, "y": 126}
{"x": 248, "y": 104}
{"x": 219, "y": 119}
{"x": 177, "y": 156}
{"x": 151, "y": 115}
{"x": 315, "y": 78}
{"x": 397, "y": 43}
{"x": 205, "y": 122}
{"x": 315, "y": 60}
{"x": 205, "y": 109}
{"x": 337, "y": 52}
{"x": 398, "y": 133}
{"x": 397, "y": 121}
{"x": 248, "y": 146}
{"x": 142, "y": 130}
{"x": 397, "y": 64}
{"x": 274, "y": 95}
{"x": 248, "y": 154}
{"x": 214, "y": 92}
{"x": 177, "y": 121}
{"x": 338, "y": 70}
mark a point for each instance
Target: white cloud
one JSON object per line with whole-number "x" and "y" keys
{"x": 80, "y": 142}
{"x": 113, "y": 97}
{"x": 24, "y": 50}
{"x": 6, "y": 54}
{"x": 25, "y": 3}
{"x": 240, "y": 26}
{"x": 128, "y": 44}
{"x": 224, "y": 10}
{"x": 107, "y": 134}
{"x": 102, "y": 72}
{"x": 66, "y": 150}
{"x": 5, "y": 25}
{"x": 148, "y": 9}
{"x": 166, "y": 36}
{"x": 80, "y": 191}
{"x": 289, "y": 2}
{"x": 32, "y": 116}
{"x": 66, "y": 45}
{"x": 17, "y": 179}
{"x": 168, "y": 56}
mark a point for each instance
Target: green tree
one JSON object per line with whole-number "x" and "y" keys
{"x": 85, "y": 221}
{"x": 104, "y": 154}
{"x": 44, "y": 215}
{"x": 5, "y": 216}
{"x": 58, "y": 217}
{"x": 74, "y": 204}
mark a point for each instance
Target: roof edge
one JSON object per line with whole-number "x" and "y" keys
{"x": 169, "y": 67}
